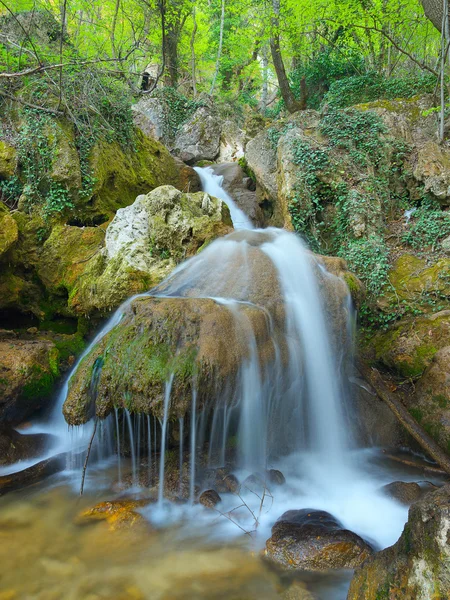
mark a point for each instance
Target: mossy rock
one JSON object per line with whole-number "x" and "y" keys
{"x": 9, "y": 232}
{"x": 28, "y": 371}
{"x": 410, "y": 345}
{"x": 8, "y": 160}
{"x": 417, "y": 566}
{"x": 121, "y": 176}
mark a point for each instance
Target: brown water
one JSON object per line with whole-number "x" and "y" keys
{"x": 46, "y": 554}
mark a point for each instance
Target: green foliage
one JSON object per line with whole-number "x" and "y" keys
{"x": 358, "y": 132}
{"x": 323, "y": 69}
{"x": 10, "y": 191}
{"x": 374, "y": 86}
{"x": 428, "y": 225}
{"x": 177, "y": 109}
{"x": 369, "y": 259}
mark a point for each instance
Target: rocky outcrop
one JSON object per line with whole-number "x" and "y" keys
{"x": 417, "y": 567}
{"x": 98, "y": 269}
{"x": 403, "y": 492}
{"x": 28, "y": 370}
{"x": 8, "y": 160}
{"x": 199, "y": 138}
{"x": 314, "y": 540}
{"x": 9, "y": 232}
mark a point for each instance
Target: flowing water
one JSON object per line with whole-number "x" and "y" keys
{"x": 286, "y": 409}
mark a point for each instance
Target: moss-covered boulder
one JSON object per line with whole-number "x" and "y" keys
{"x": 8, "y": 160}
{"x": 409, "y": 346}
{"x": 28, "y": 370}
{"x": 181, "y": 332}
{"x": 431, "y": 405}
{"x": 96, "y": 268}
{"x": 9, "y": 231}
{"x": 121, "y": 176}
{"x": 417, "y": 567}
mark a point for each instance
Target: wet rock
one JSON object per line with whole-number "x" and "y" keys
{"x": 34, "y": 474}
{"x": 276, "y": 477}
{"x": 297, "y": 591}
{"x": 234, "y": 183}
{"x": 199, "y": 138}
{"x": 226, "y": 482}
{"x": 314, "y": 540}
{"x": 188, "y": 178}
{"x": 118, "y": 514}
{"x": 210, "y": 498}
{"x": 406, "y": 493}
{"x": 15, "y": 446}
{"x": 416, "y": 567}
{"x": 28, "y": 371}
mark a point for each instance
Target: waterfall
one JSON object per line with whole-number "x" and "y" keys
{"x": 212, "y": 185}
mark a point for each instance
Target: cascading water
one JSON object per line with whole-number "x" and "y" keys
{"x": 285, "y": 406}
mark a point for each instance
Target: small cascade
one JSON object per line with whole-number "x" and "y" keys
{"x": 212, "y": 185}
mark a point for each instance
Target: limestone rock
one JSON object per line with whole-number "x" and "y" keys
{"x": 98, "y": 270}
{"x": 314, "y": 540}
{"x": 28, "y": 370}
{"x": 9, "y": 231}
{"x": 118, "y": 514}
{"x": 417, "y": 566}
{"x": 261, "y": 155}
{"x": 150, "y": 117}
{"x": 199, "y": 138}
{"x": 232, "y": 142}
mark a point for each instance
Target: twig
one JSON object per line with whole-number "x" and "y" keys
{"x": 51, "y": 111}
{"x": 87, "y": 456}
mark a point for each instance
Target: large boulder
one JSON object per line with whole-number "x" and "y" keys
{"x": 180, "y": 329}
{"x": 28, "y": 370}
{"x": 314, "y": 540}
{"x": 417, "y": 567}
{"x": 199, "y": 138}
{"x": 98, "y": 269}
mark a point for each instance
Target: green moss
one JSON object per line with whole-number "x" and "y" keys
{"x": 72, "y": 345}
{"x": 41, "y": 385}
{"x": 441, "y": 400}
{"x": 417, "y": 414}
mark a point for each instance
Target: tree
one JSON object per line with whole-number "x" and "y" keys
{"x": 285, "y": 89}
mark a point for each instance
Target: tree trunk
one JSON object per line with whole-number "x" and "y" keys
{"x": 289, "y": 99}
{"x": 402, "y": 414}
{"x": 434, "y": 11}
{"x": 219, "y": 51}
{"x": 193, "y": 64}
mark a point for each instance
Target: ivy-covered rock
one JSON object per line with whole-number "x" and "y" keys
{"x": 417, "y": 566}
{"x": 28, "y": 370}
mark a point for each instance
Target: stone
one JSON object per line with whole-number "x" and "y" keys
{"x": 199, "y": 138}
{"x": 149, "y": 116}
{"x": 98, "y": 270}
{"x": 416, "y": 567}
{"x": 15, "y": 447}
{"x": 232, "y": 142}
{"x": 210, "y": 498}
{"x": 276, "y": 477}
{"x": 431, "y": 403}
{"x": 235, "y": 185}
{"x": 261, "y": 156}
{"x": 118, "y": 514}
{"x": 404, "y": 492}
{"x": 28, "y": 371}
{"x": 314, "y": 540}
{"x": 8, "y": 160}
{"x": 9, "y": 232}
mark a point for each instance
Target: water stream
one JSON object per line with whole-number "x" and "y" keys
{"x": 287, "y": 408}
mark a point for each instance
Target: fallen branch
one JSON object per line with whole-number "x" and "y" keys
{"x": 402, "y": 414}
{"x": 50, "y": 111}
{"x": 412, "y": 463}
{"x": 87, "y": 456}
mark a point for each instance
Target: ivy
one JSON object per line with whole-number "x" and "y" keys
{"x": 428, "y": 225}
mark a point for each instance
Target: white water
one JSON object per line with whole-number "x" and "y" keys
{"x": 212, "y": 185}
{"x": 287, "y": 415}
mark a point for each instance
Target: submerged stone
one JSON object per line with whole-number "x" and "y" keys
{"x": 314, "y": 540}
{"x": 210, "y": 498}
